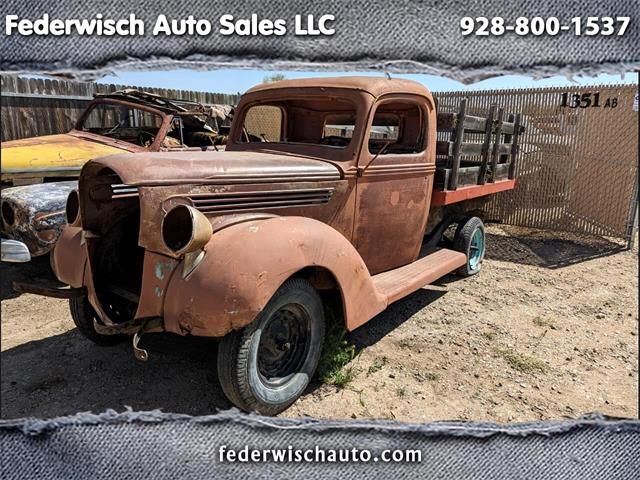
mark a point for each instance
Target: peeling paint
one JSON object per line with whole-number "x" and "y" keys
{"x": 161, "y": 268}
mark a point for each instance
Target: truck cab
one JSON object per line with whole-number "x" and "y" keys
{"x": 322, "y": 197}
{"x": 381, "y": 136}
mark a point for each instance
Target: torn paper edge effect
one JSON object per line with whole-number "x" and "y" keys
{"x": 34, "y": 426}
{"x": 466, "y": 75}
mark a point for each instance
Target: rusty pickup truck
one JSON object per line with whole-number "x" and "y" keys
{"x": 333, "y": 191}
{"x": 38, "y": 173}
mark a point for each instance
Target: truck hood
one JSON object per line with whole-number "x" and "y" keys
{"x": 222, "y": 167}
{"x": 50, "y": 153}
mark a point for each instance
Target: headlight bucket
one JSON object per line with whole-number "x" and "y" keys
{"x": 72, "y": 208}
{"x": 8, "y": 214}
{"x": 185, "y": 229}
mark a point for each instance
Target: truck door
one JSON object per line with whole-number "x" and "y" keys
{"x": 395, "y": 178}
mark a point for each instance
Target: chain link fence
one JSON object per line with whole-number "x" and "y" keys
{"x": 578, "y": 162}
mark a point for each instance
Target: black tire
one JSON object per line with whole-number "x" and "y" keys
{"x": 252, "y": 375}
{"x": 462, "y": 242}
{"x": 83, "y": 314}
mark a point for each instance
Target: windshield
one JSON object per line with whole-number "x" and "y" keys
{"x": 122, "y": 122}
{"x": 140, "y": 127}
{"x": 315, "y": 120}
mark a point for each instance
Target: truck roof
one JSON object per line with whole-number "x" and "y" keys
{"x": 376, "y": 86}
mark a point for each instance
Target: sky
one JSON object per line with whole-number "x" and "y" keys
{"x": 238, "y": 81}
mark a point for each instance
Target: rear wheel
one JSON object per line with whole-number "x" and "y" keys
{"x": 470, "y": 240}
{"x": 83, "y": 315}
{"x": 267, "y": 365}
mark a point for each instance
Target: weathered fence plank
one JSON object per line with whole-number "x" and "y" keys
{"x": 42, "y": 106}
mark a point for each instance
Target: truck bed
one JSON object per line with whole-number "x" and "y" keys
{"x": 475, "y": 156}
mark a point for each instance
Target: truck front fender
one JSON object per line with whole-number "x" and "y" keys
{"x": 69, "y": 257}
{"x": 245, "y": 264}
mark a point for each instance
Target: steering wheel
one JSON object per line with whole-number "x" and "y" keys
{"x": 335, "y": 141}
{"x": 141, "y": 139}
{"x": 116, "y": 126}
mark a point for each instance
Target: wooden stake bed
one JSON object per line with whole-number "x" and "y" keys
{"x": 479, "y": 158}
{"x": 447, "y": 197}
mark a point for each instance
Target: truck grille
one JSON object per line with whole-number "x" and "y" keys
{"x": 256, "y": 200}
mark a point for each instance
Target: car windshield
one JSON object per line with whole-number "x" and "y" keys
{"x": 315, "y": 120}
{"x": 140, "y": 127}
{"x": 123, "y": 122}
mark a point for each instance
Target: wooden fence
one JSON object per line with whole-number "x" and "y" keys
{"x": 38, "y": 106}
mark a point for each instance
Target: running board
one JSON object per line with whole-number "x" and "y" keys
{"x": 402, "y": 281}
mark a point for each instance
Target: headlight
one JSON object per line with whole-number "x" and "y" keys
{"x": 185, "y": 229}
{"x": 8, "y": 214}
{"x": 72, "y": 209}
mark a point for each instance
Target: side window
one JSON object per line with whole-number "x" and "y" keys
{"x": 263, "y": 123}
{"x": 397, "y": 128}
{"x": 386, "y": 126}
{"x": 339, "y": 125}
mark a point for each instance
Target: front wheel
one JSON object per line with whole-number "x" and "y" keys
{"x": 470, "y": 240}
{"x": 83, "y": 315}
{"x": 268, "y": 364}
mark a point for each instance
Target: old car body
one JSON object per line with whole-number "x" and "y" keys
{"x": 325, "y": 188}
{"x": 43, "y": 169}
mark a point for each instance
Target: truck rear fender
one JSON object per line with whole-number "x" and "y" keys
{"x": 244, "y": 265}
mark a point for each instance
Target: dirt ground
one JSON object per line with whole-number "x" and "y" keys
{"x": 549, "y": 329}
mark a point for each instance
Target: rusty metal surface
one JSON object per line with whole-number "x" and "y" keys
{"x": 337, "y": 212}
{"x": 395, "y": 284}
{"x": 344, "y": 213}
{"x": 38, "y": 212}
{"x": 228, "y": 289}
{"x": 48, "y": 290}
{"x": 69, "y": 257}
{"x": 393, "y": 195}
{"x": 211, "y": 167}
{"x": 375, "y": 86}
{"x": 39, "y": 208}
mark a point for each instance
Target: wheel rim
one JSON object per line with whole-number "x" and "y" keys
{"x": 284, "y": 345}
{"x": 476, "y": 249}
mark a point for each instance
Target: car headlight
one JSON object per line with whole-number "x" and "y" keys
{"x": 72, "y": 209}
{"x": 185, "y": 229}
{"x": 8, "y": 214}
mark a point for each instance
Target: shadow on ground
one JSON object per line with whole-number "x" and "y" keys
{"x": 38, "y": 270}
{"x": 66, "y": 374}
{"x": 544, "y": 250}
{"x": 394, "y": 316}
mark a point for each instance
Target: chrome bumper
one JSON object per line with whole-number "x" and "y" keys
{"x": 14, "y": 251}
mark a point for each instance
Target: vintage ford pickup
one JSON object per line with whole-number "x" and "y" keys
{"x": 39, "y": 172}
{"x": 331, "y": 190}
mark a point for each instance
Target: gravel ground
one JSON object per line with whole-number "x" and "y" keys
{"x": 548, "y": 329}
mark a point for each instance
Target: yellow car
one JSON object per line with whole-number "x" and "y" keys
{"x": 39, "y": 173}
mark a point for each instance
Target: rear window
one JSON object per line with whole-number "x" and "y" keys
{"x": 263, "y": 123}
